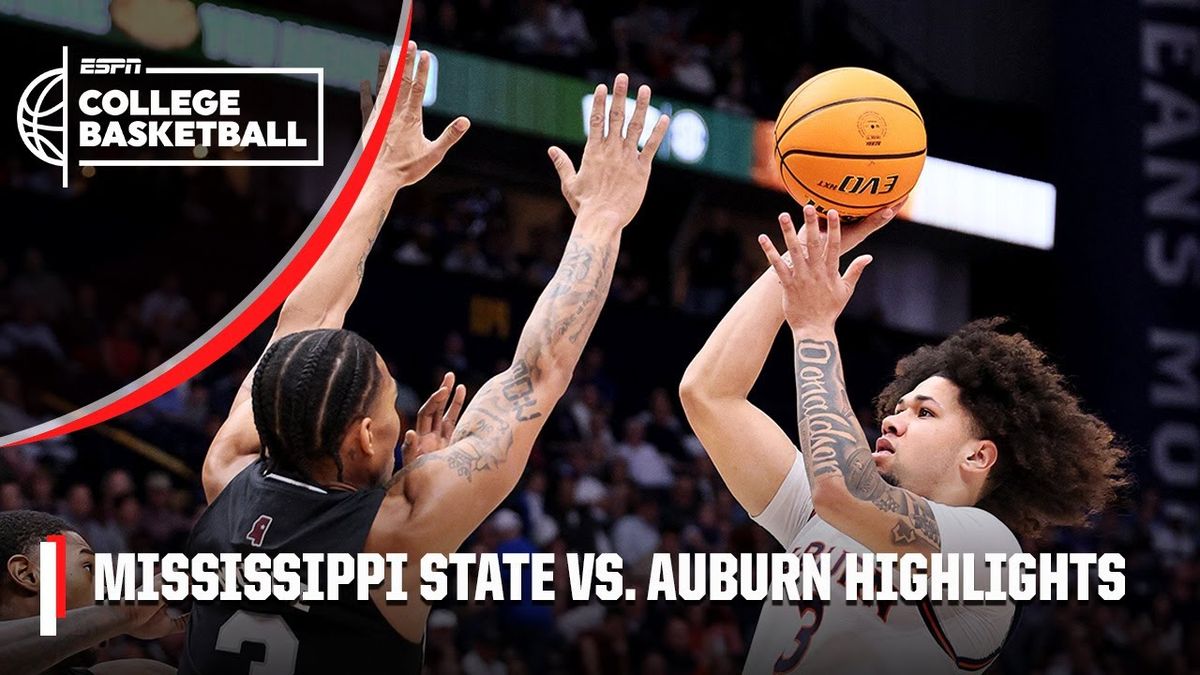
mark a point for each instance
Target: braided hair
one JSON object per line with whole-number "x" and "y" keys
{"x": 308, "y": 388}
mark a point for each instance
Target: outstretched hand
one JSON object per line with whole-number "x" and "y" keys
{"x": 613, "y": 174}
{"x": 407, "y": 156}
{"x": 435, "y": 422}
{"x": 814, "y": 292}
{"x": 150, "y": 620}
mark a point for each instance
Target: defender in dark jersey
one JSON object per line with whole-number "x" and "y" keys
{"x": 23, "y": 650}
{"x": 305, "y": 461}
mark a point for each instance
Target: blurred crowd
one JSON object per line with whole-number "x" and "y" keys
{"x": 617, "y": 468}
{"x": 704, "y": 52}
{"x": 614, "y": 471}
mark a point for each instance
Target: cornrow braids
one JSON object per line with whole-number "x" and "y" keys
{"x": 308, "y": 389}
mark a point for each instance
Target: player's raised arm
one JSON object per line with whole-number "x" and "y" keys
{"x": 451, "y": 491}
{"x": 848, "y": 491}
{"x": 323, "y": 297}
{"x": 750, "y": 451}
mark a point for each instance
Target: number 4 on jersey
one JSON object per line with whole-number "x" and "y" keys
{"x": 258, "y": 531}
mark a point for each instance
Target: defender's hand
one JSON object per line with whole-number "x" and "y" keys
{"x": 613, "y": 175}
{"x": 366, "y": 102}
{"x": 435, "y": 421}
{"x": 814, "y": 293}
{"x": 149, "y": 620}
{"x": 407, "y": 156}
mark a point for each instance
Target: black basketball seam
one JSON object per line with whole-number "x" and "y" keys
{"x": 791, "y": 99}
{"x": 843, "y": 102}
{"x": 816, "y": 194}
{"x": 842, "y": 155}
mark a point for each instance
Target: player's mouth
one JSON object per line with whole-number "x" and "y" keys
{"x": 883, "y": 447}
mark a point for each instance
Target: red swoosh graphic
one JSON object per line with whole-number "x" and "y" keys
{"x": 269, "y": 300}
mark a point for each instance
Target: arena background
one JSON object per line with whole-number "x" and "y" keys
{"x": 103, "y": 281}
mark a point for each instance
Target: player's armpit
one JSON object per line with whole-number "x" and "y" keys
{"x": 235, "y": 447}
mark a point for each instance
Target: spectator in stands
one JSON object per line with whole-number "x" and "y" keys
{"x": 28, "y": 335}
{"x": 567, "y": 29}
{"x": 647, "y": 466}
{"x": 636, "y": 536}
{"x": 39, "y": 286}
{"x": 165, "y": 305}
{"x": 161, "y": 522}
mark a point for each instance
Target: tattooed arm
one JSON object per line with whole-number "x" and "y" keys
{"x": 848, "y": 491}
{"x": 323, "y": 297}
{"x": 446, "y": 494}
{"x": 750, "y": 451}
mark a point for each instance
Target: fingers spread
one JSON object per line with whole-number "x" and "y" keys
{"x": 639, "y": 115}
{"x": 381, "y": 69}
{"x": 562, "y": 163}
{"x": 812, "y": 233}
{"x": 616, "y": 112}
{"x": 451, "y": 135}
{"x": 450, "y": 419}
{"x": 781, "y": 268}
{"x": 833, "y": 242}
{"x": 406, "y": 74}
{"x": 416, "y": 94}
{"x": 792, "y": 240}
{"x": 596, "y": 119}
{"x": 854, "y": 272}
{"x": 656, "y": 138}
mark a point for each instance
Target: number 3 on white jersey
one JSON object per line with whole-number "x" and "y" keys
{"x": 269, "y": 630}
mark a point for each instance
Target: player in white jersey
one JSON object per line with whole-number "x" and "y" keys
{"x": 979, "y": 440}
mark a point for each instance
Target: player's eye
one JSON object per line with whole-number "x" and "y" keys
{"x": 924, "y": 412}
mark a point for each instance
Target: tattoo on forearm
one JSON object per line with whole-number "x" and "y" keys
{"x": 362, "y": 262}
{"x": 553, "y": 338}
{"x": 834, "y": 444}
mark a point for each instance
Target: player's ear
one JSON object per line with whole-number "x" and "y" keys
{"x": 23, "y": 572}
{"x": 983, "y": 456}
{"x": 365, "y": 436}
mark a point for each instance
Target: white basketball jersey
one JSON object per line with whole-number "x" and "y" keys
{"x": 876, "y": 637}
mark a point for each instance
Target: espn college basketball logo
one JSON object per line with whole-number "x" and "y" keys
{"x": 111, "y": 111}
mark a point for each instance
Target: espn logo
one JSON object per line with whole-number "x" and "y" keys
{"x": 112, "y": 66}
{"x": 52, "y": 587}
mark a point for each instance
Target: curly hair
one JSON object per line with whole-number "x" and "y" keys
{"x": 1057, "y": 464}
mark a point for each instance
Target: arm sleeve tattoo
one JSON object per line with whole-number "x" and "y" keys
{"x": 834, "y": 445}
{"x": 550, "y": 346}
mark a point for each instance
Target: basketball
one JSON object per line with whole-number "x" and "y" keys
{"x": 850, "y": 139}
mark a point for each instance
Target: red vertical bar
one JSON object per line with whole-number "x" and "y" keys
{"x": 60, "y": 561}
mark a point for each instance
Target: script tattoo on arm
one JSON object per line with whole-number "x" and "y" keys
{"x": 834, "y": 445}
{"x": 549, "y": 348}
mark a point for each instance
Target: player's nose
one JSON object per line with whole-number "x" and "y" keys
{"x": 893, "y": 424}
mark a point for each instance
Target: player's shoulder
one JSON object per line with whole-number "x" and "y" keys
{"x": 970, "y": 529}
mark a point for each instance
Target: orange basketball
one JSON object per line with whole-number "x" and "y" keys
{"x": 850, "y": 139}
